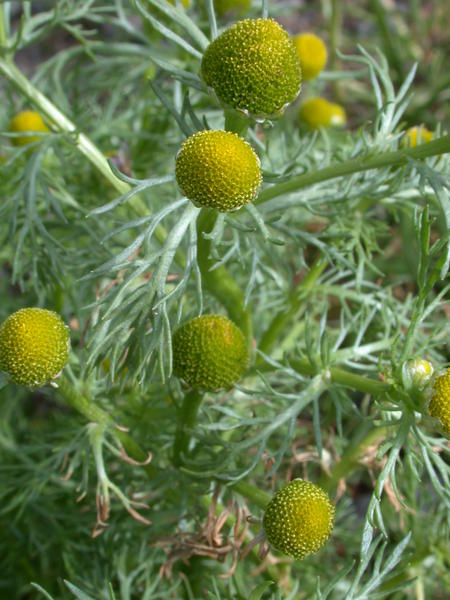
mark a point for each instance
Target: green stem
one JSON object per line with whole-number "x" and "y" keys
{"x": 386, "y": 159}
{"x": 3, "y": 39}
{"x": 236, "y": 122}
{"x": 252, "y": 493}
{"x": 335, "y": 32}
{"x": 94, "y": 413}
{"x": 64, "y": 125}
{"x": 341, "y": 377}
{"x": 186, "y": 419}
{"x": 282, "y": 319}
{"x": 351, "y": 457}
{"x": 219, "y": 282}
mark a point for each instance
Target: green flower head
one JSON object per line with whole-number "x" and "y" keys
{"x": 253, "y": 67}
{"x": 299, "y": 519}
{"x": 210, "y": 352}
{"x": 34, "y": 346}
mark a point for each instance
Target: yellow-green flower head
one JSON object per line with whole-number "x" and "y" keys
{"x": 210, "y": 352}
{"x": 253, "y": 67}
{"x": 318, "y": 112}
{"x": 218, "y": 169}
{"x": 34, "y": 346}
{"x": 412, "y": 135}
{"x": 26, "y": 121}
{"x": 224, "y": 6}
{"x": 440, "y": 400}
{"x": 299, "y": 519}
{"x": 313, "y": 54}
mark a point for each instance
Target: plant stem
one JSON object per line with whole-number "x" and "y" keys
{"x": 62, "y": 124}
{"x": 185, "y": 421}
{"x": 3, "y": 39}
{"x": 351, "y": 457}
{"x": 355, "y": 165}
{"x": 252, "y": 493}
{"x": 219, "y": 282}
{"x": 236, "y": 122}
{"x": 342, "y": 377}
{"x": 283, "y": 318}
{"x": 94, "y": 413}
{"x": 335, "y": 32}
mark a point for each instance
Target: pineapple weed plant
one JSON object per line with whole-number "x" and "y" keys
{"x": 154, "y": 178}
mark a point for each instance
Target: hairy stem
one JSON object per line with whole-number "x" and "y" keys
{"x": 186, "y": 418}
{"x": 355, "y": 165}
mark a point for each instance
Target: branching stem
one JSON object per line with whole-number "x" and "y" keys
{"x": 86, "y": 407}
{"x": 396, "y": 158}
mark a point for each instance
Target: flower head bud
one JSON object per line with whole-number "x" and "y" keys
{"x": 419, "y": 372}
{"x": 299, "y": 519}
{"x": 218, "y": 169}
{"x": 439, "y": 406}
{"x": 318, "y": 112}
{"x": 238, "y": 6}
{"x": 313, "y": 54}
{"x": 34, "y": 346}
{"x": 26, "y": 121}
{"x": 253, "y": 67}
{"x": 210, "y": 352}
{"x": 417, "y": 135}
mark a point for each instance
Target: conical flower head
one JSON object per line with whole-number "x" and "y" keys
{"x": 218, "y": 169}
{"x": 299, "y": 519}
{"x": 26, "y": 121}
{"x": 439, "y": 406}
{"x": 210, "y": 352}
{"x": 253, "y": 67}
{"x": 34, "y": 346}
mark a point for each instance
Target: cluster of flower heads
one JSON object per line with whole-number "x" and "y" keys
{"x": 256, "y": 68}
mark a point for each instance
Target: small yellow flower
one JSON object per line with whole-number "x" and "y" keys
{"x": 299, "y": 519}
{"x": 412, "y": 135}
{"x": 218, "y": 169}
{"x": 439, "y": 406}
{"x": 313, "y": 54}
{"x": 26, "y": 121}
{"x": 318, "y": 112}
{"x": 34, "y": 346}
{"x": 210, "y": 352}
{"x": 253, "y": 67}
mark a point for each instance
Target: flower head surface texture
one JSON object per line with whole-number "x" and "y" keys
{"x": 313, "y": 54}
{"x": 299, "y": 519}
{"x": 417, "y": 135}
{"x": 25, "y": 121}
{"x": 218, "y": 169}
{"x": 318, "y": 112}
{"x": 34, "y": 346}
{"x": 254, "y": 67}
{"x": 210, "y": 352}
{"x": 440, "y": 400}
